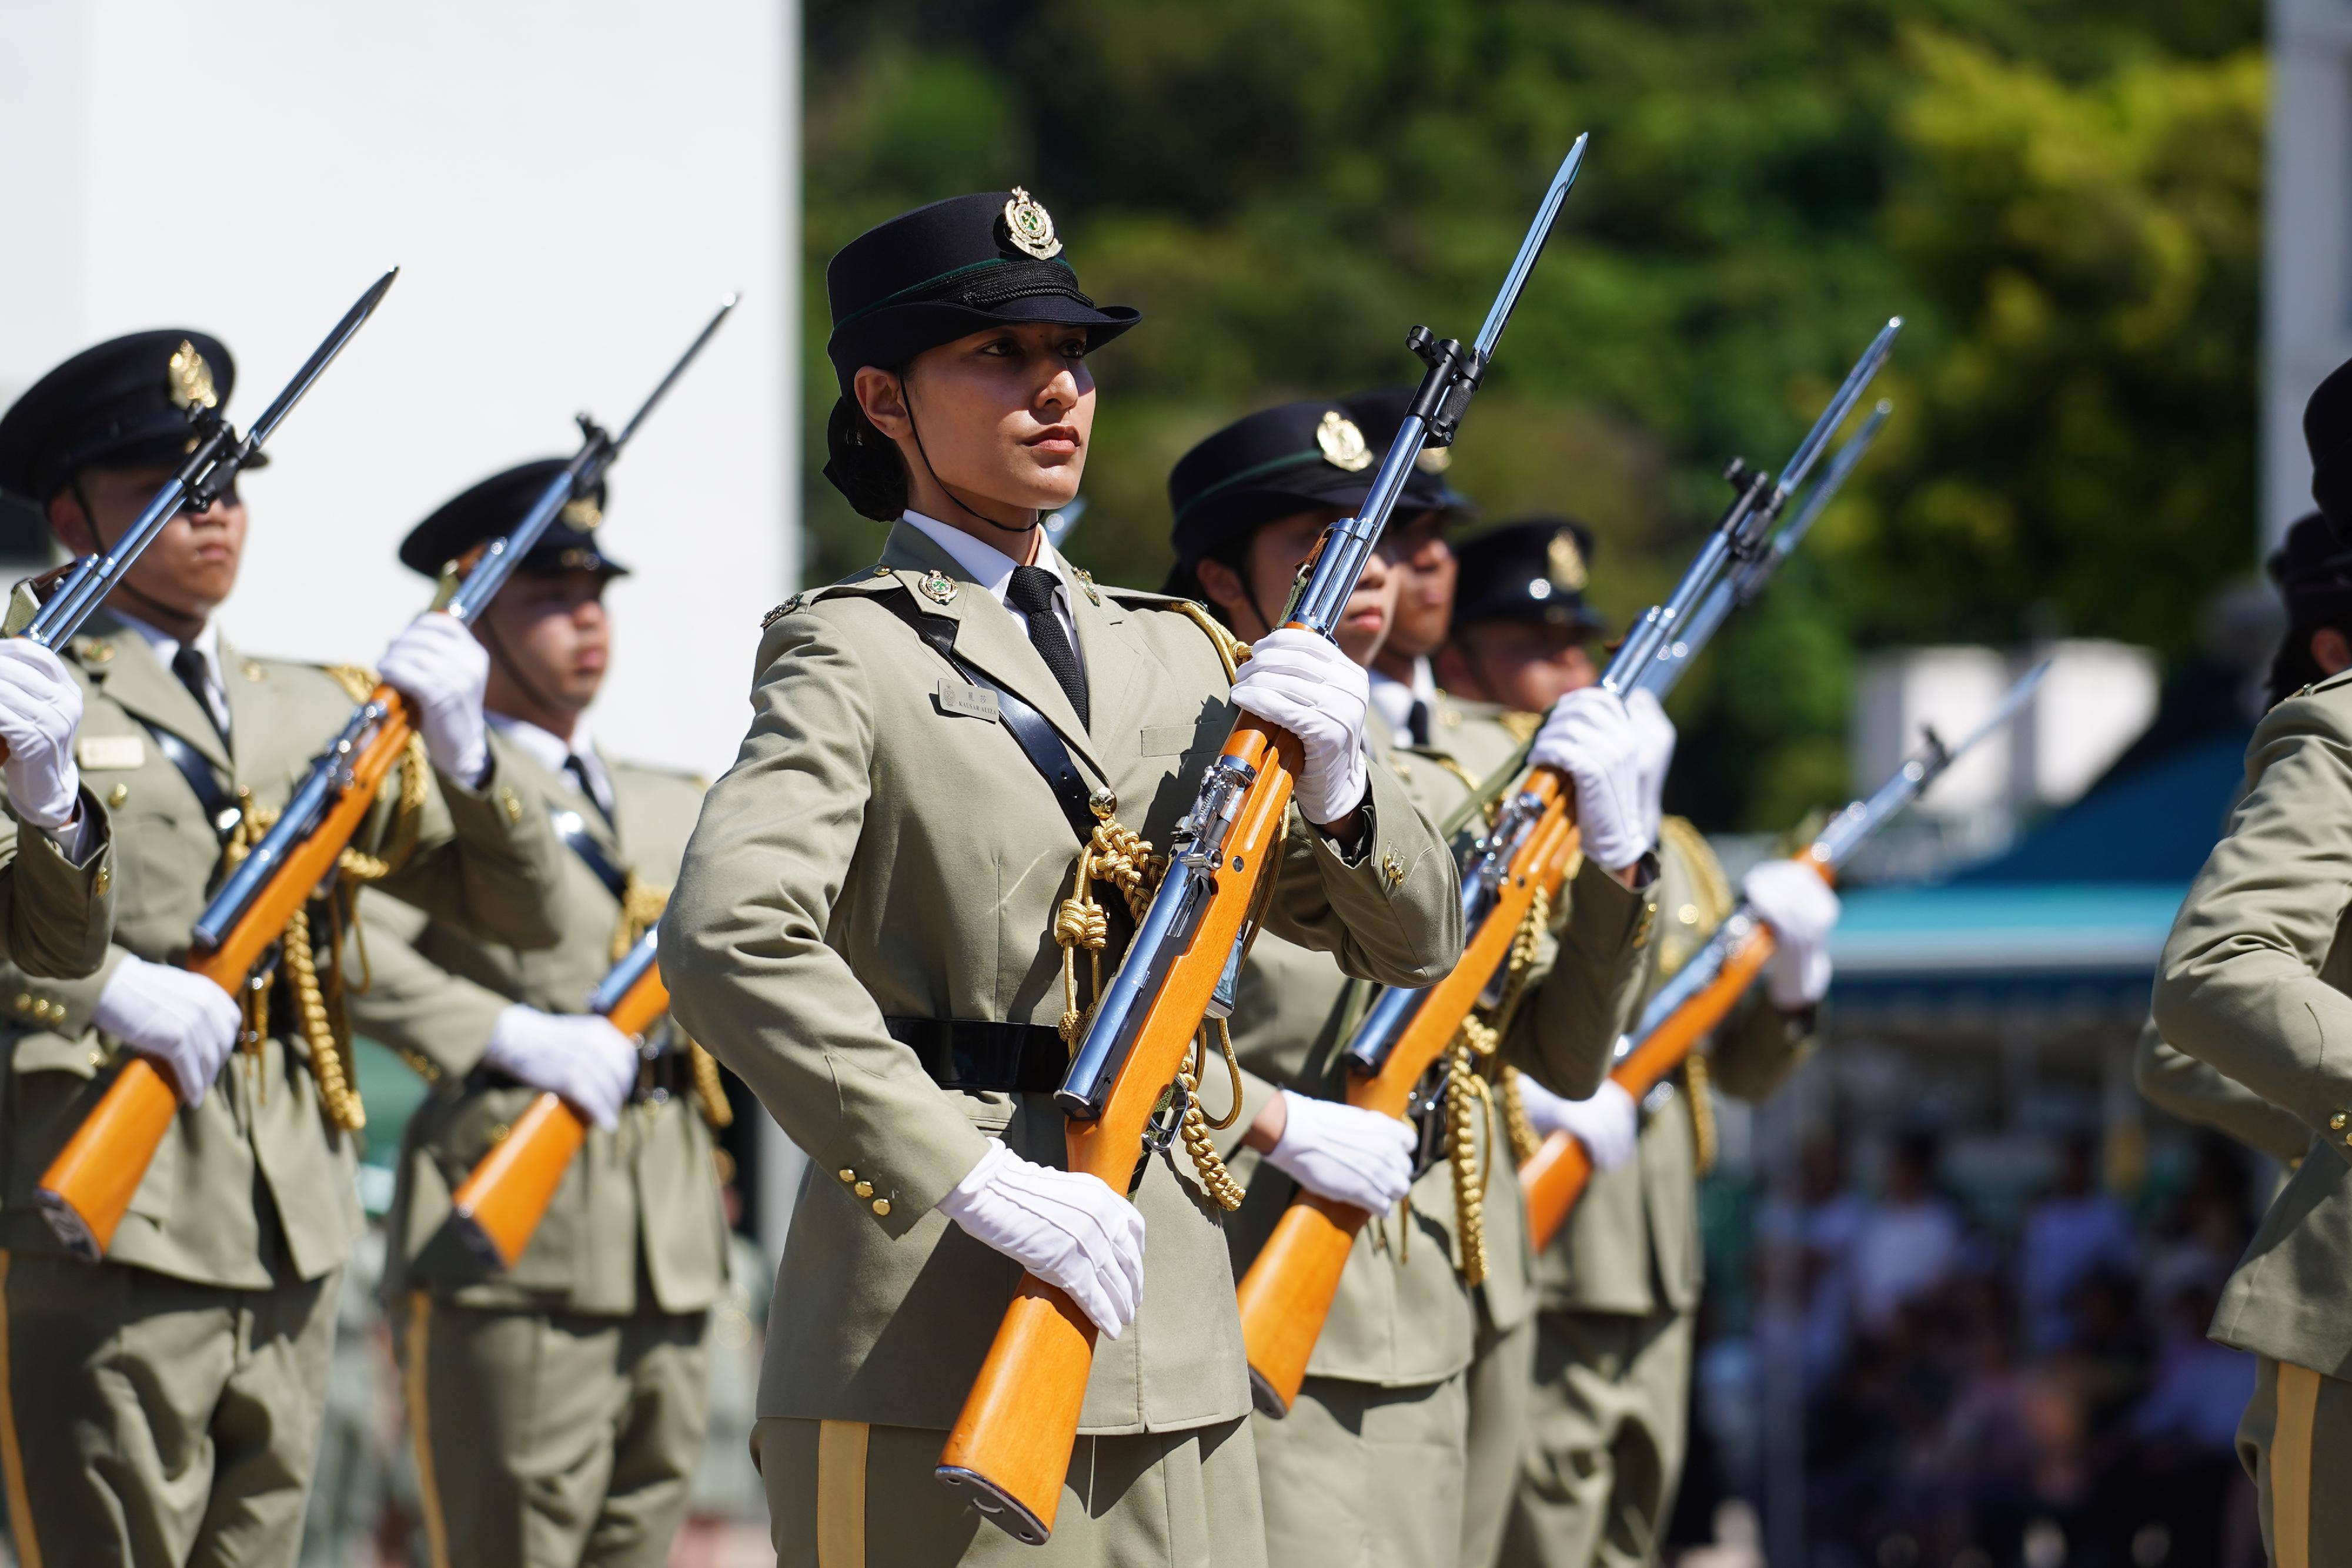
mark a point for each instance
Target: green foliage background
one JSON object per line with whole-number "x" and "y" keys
{"x": 2062, "y": 197}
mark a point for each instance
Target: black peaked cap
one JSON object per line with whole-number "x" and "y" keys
{"x": 494, "y": 506}
{"x": 1533, "y": 569}
{"x": 2313, "y": 570}
{"x": 1271, "y": 464}
{"x": 2327, "y": 430}
{"x": 123, "y": 404}
{"x": 957, "y": 266}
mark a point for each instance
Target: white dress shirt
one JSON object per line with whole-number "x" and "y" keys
{"x": 166, "y": 649}
{"x": 1395, "y": 698}
{"x": 552, "y": 751}
{"x": 993, "y": 569}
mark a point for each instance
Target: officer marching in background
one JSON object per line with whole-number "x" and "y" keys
{"x": 1372, "y": 1463}
{"x": 2253, "y": 984}
{"x": 2313, "y": 573}
{"x": 1620, "y": 1285}
{"x": 557, "y": 1409}
{"x": 875, "y": 926}
{"x": 164, "y": 1405}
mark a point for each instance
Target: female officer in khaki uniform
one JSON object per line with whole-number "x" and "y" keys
{"x": 1374, "y": 1463}
{"x": 865, "y": 926}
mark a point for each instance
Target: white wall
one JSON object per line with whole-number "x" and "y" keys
{"x": 568, "y": 188}
{"x": 2308, "y": 243}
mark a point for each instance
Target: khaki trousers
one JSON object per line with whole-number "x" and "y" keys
{"x": 149, "y": 1420}
{"x": 552, "y": 1438}
{"x": 1605, "y": 1440}
{"x": 1502, "y": 1397}
{"x": 845, "y": 1494}
{"x": 1358, "y": 1475}
{"x": 2295, "y": 1440}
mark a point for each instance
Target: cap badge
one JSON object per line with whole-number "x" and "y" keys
{"x": 1342, "y": 443}
{"x": 1434, "y": 459}
{"x": 583, "y": 513}
{"x": 1030, "y": 227}
{"x": 191, "y": 379}
{"x": 1564, "y": 563}
{"x": 937, "y": 587}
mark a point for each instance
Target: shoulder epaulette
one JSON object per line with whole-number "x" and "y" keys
{"x": 865, "y": 580}
{"x": 2326, "y": 684}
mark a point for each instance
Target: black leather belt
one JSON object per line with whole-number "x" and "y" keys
{"x": 1011, "y": 1057}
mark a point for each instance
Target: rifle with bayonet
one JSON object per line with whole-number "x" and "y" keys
{"x": 1688, "y": 1007}
{"x": 1287, "y": 1294}
{"x": 1010, "y": 1449}
{"x": 88, "y": 1188}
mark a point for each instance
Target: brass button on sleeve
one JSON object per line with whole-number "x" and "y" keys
{"x": 881, "y": 1207}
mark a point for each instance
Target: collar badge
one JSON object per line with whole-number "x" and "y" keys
{"x": 937, "y": 587}
{"x": 1086, "y": 582}
{"x": 1030, "y": 227}
{"x": 1342, "y": 443}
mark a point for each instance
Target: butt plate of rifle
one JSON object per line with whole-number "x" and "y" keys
{"x": 71, "y": 1232}
{"x": 1267, "y": 1397}
{"x": 998, "y": 1507}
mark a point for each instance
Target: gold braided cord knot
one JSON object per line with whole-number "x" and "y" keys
{"x": 1522, "y": 1132}
{"x": 641, "y": 906}
{"x": 1702, "y": 1110}
{"x": 1216, "y": 1179}
{"x": 1470, "y": 1100}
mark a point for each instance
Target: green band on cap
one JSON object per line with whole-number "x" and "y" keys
{"x": 1257, "y": 471}
{"x": 951, "y": 273}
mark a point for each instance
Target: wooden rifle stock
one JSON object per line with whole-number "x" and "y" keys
{"x": 1287, "y": 1294}
{"x": 1556, "y": 1175}
{"x": 88, "y": 1187}
{"x": 499, "y": 1205}
{"x": 1010, "y": 1449}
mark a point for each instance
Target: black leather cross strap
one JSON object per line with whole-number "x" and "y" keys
{"x": 220, "y": 810}
{"x": 573, "y": 830}
{"x": 1011, "y": 1057}
{"x": 1037, "y": 738}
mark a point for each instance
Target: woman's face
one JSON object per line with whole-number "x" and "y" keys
{"x": 1253, "y": 605}
{"x": 1001, "y": 417}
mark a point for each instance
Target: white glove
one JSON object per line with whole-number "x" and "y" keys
{"x": 577, "y": 1055}
{"x": 1653, "y": 740}
{"x": 1609, "y": 1124}
{"x": 1347, "y": 1154}
{"x": 1803, "y": 910}
{"x": 1590, "y": 737}
{"x": 39, "y": 707}
{"x": 436, "y": 665}
{"x": 1066, "y": 1227}
{"x": 1302, "y": 683}
{"x": 178, "y": 1019}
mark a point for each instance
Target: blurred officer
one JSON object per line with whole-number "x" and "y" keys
{"x": 869, "y": 925}
{"x": 2253, "y": 984}
{"x": 164, "y": 1405}
{"x": 1619, "y": 1284}
{"x": 1375, "y": 1462}
{"x": 557, "y": 1408}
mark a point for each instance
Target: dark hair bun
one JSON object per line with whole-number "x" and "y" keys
{"x": 863, "y": 465}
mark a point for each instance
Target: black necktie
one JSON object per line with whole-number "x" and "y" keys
{"x": 189, "y": 665}
{"x": 579, "y": 771}
{"x": 1031, "y": 591}
{"x": 1416, "y": 723}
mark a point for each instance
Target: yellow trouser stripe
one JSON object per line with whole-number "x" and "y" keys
{"x": 2298, "y": 1412}
{"x": 420, "y": 1427}
{"x": 841, "y": 1494}
{"x": 12, "y": 1456}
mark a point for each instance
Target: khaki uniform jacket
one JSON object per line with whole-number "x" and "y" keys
{"x": 2254, "y": 984}
{"x": 642, "y": 1197}
{"x": 56, "y": 916}
{"x": 1403, "y": 1317}
{"x": 1631, "y": 1245}
{"x": 2193, "y": 1091}
{"x": 882, "y": 848}
{"x": 259, "y": 1142}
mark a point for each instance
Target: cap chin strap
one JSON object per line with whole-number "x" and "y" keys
{"x": 1036, "y": 517}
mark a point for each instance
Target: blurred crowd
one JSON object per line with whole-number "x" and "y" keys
{"x": 1982, "y": 1395}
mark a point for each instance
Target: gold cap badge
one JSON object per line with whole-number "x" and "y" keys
{"x": 191, "y": 379}
{"x": 1434, "y": 459}
{"x": 1564, "y": 563}
{"x": 1030, "y": 227}
{"x": 583, "y": 513}
{"x": 1342, "y": 443}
